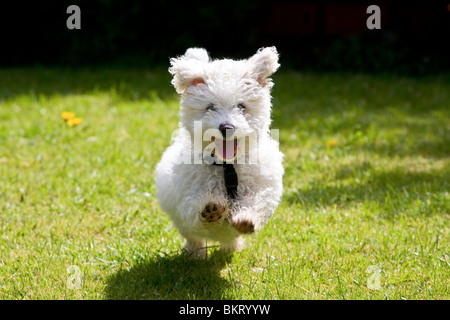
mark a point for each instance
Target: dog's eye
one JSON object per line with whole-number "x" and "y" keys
{"x": 211, "y": 107}
{"x": 241, "y": 106}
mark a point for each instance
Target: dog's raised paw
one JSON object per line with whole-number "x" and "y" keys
{"x": 213, "y": 212}
{"x": 244, "y": 226}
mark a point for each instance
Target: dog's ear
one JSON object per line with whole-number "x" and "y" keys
{"x": 188, "y": 69}
{"x": 199, "y": 54}
{"x": 263, "y": 64}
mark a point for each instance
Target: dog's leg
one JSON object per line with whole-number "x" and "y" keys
{"x": 244, "y": 222}
{"x": 253, "y": 211}
{"x": 236, "y": 244}
{"x": 196, "y": 248}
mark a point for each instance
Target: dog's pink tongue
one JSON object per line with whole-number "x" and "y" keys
{"x": 228, "y": 149}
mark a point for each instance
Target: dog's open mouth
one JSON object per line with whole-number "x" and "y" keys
{"x": 225, "y": 149}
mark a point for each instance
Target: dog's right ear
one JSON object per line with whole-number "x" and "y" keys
{"x": 264, "y": 63}
{"x": 188, "y": 69}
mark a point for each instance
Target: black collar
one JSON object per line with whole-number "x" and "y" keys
{"x": 231, "y": 179}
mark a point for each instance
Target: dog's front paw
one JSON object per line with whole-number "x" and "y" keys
{"x": 243, "y": 225}
{"x": 213, "y": 212}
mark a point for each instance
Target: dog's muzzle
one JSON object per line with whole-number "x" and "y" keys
{"x": 225, "y": 149}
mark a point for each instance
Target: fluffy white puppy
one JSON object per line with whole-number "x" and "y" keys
{"x": 221, "y": 177}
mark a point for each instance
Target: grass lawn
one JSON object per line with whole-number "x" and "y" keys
{"x": 365, "y": 212}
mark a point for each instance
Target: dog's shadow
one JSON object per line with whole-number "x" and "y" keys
{"x": 172, "y": 277}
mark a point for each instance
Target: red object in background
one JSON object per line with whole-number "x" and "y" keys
{"x": 292, "y": 18}
{"x": 345, "y": 19}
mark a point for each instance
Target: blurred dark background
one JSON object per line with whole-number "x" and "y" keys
{"x": 318, "y": 35}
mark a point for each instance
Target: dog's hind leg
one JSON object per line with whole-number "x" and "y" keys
{"x": 196, "y": 248}
{"x": 236, "y": 244}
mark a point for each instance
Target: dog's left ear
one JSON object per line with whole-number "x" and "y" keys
{"x": 188, "y": 69}
{"x": 264, "y": 63}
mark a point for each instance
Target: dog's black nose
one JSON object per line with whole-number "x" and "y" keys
{"x": 226, "y": 129}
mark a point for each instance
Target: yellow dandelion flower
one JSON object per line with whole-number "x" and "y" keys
{"x": 332, "y": 143}
{"x": 67, "y": 115}
{"x": 74, "y": 122}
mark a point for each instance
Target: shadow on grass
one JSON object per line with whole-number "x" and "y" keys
{"x": 171, "y": 277}
{"x": 119, "y": 83}
{"x": 409, "y": 119}
{"x": 394, "y": 191}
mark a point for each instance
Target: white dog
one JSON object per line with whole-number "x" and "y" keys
{"x": 222, "y": 176}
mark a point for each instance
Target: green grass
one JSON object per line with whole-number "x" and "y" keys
{"x": 84, "y": 196}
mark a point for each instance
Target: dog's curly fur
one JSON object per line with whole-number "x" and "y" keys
{"x": 194, "y": 195}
